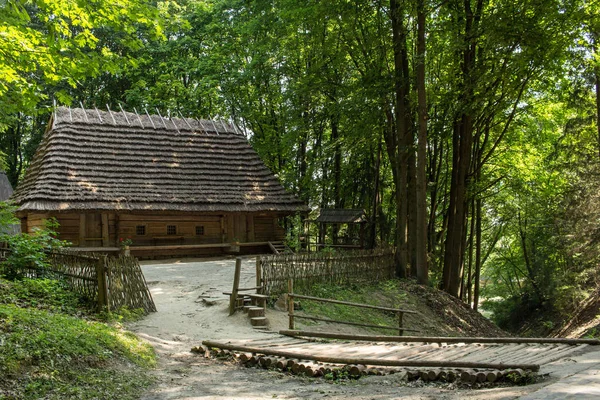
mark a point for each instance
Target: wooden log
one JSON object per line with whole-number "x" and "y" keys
{"x": 357, "y": 370}
{"x": 371, "y": 361}
{"x": 347, "y": 303}
{"x": 493, "y": 376}
{"x": 435, "y": 339}
{"x": 281, "y": 364}
{"x": 465, "y": 376}
{"x": 433, "y": 374}
{"x": 451, "y": 376}
{"x": 335, "y": 321}
{"x": 481, "y": 376}
{"x": 296, "y": 368}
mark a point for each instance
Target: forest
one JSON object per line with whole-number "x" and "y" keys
{"x": 467, "y": 130}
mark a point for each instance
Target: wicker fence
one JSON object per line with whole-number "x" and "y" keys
{"x": 307, "y": 269}
{"x": 111, "y": 283}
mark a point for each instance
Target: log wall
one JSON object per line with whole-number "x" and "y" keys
{"x": 105, "y": 229}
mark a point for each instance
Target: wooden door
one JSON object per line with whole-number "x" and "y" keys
{"x": 239, "y": 228}
{"x": 93, "y": 230}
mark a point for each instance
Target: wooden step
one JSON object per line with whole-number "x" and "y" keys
{"x": 259, "y": 321}
{"x": 247, "y": 307}
{"x": 256, "y": 312}
{"x": 259, "y": 300}
{"x": 261, "y": 328}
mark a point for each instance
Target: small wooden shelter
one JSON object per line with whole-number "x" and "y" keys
{"x": 352, "y": 223}
{"x": 171, "y": 185}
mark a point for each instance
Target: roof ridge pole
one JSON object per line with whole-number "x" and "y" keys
{"x": 224, "y": 127}
{"x": 139, "y": 119}
{"x": 237, "y": 132}
{"x": 173, "y": 122}
{"x": 113, "y": 118}
{"x": 54, "y": 112}
{"x": 150, "y": 118}
{"x": 84, "y": 112}
{"x": 70, "y": 114}
{"x": 185, "y": 120}
{"x": 213, "y": 124}
{"x": 98, "y": 112}
{"x": 161, "y": 118}
{"x": 125, "y": 115}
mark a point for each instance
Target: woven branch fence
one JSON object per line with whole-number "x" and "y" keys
{"x": 111, "y": 283}
{"x": 307, "y": 269}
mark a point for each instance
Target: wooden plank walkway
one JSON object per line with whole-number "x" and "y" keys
{"x": 429, "y": 356}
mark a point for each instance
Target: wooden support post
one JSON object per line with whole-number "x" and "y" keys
{"x": 400, "y": 330}
{"x": 82, "y": 230}
{"x": 236, "y": 285}
{"x": 223, "y": 231}
{"x": 291, "y": 302}
{"x": 117, "y": 228}
{"x": 259, "y": 285}
{"x": 105, "y": 239}
{"x": 103, "y": 303}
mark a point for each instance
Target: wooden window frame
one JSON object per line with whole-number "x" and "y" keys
{"x": 145, "y": 229}
{"x": 173, "y": 232}
{"x": 200, "y": 231}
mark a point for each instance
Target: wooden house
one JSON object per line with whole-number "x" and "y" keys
{"x": 172, "y": 185}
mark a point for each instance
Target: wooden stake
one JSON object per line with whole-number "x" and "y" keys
{"x": 236, "y": 284}
{"x": 258, "y": 276}
{"x": 291, "y": 303}
{"x": 103, "y": 303}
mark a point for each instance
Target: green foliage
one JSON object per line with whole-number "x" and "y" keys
{"x": 45, "y": 294}
{"x": 30, "y": 250}
{"x": 47, "y": 352}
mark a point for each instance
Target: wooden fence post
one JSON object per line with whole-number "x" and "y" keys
{"x": 400, "y": 328}
{"x": 101, "y": 270}
{"x": 236, "y": 285}
{"x": 259, "y": 289}
{"x": 291, "y": 303}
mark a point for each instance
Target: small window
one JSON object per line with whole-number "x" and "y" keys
{"x": 200, "y": 230}
{"x": 171, "y": 229}
{"x": 140, "y": 230}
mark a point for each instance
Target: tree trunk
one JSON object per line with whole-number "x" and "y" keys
{"x": 421, "y": 262}
{"x": 478, "y": 260}
{"x": 462, "y": 140}
{"x": 401, "y": 85}
{"x": 595, "y": 36}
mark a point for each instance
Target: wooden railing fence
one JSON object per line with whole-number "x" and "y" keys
{"x": 307, "y": 269}
{"x": 292, "y": 315}
{"x": 109, "y": 282}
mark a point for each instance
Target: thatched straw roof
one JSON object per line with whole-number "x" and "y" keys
{"x": 99, "y": 160}
{"x": 342, "y": 216}
{"x": 5, "y": 188}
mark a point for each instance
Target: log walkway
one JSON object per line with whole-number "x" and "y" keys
{"x": 440, "y": 358}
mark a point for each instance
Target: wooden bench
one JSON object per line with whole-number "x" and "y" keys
{"x": 171, "y": 238}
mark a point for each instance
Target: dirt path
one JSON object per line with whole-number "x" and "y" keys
{"x": 192, "y": 308}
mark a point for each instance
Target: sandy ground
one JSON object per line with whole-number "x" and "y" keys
{"x": 192, "y": 308}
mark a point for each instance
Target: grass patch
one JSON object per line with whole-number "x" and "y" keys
{"x": 47, "y": 351}
{"x": 388, "y": 294}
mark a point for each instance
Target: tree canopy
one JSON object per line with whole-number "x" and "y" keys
{"x": 468, "y": 130}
